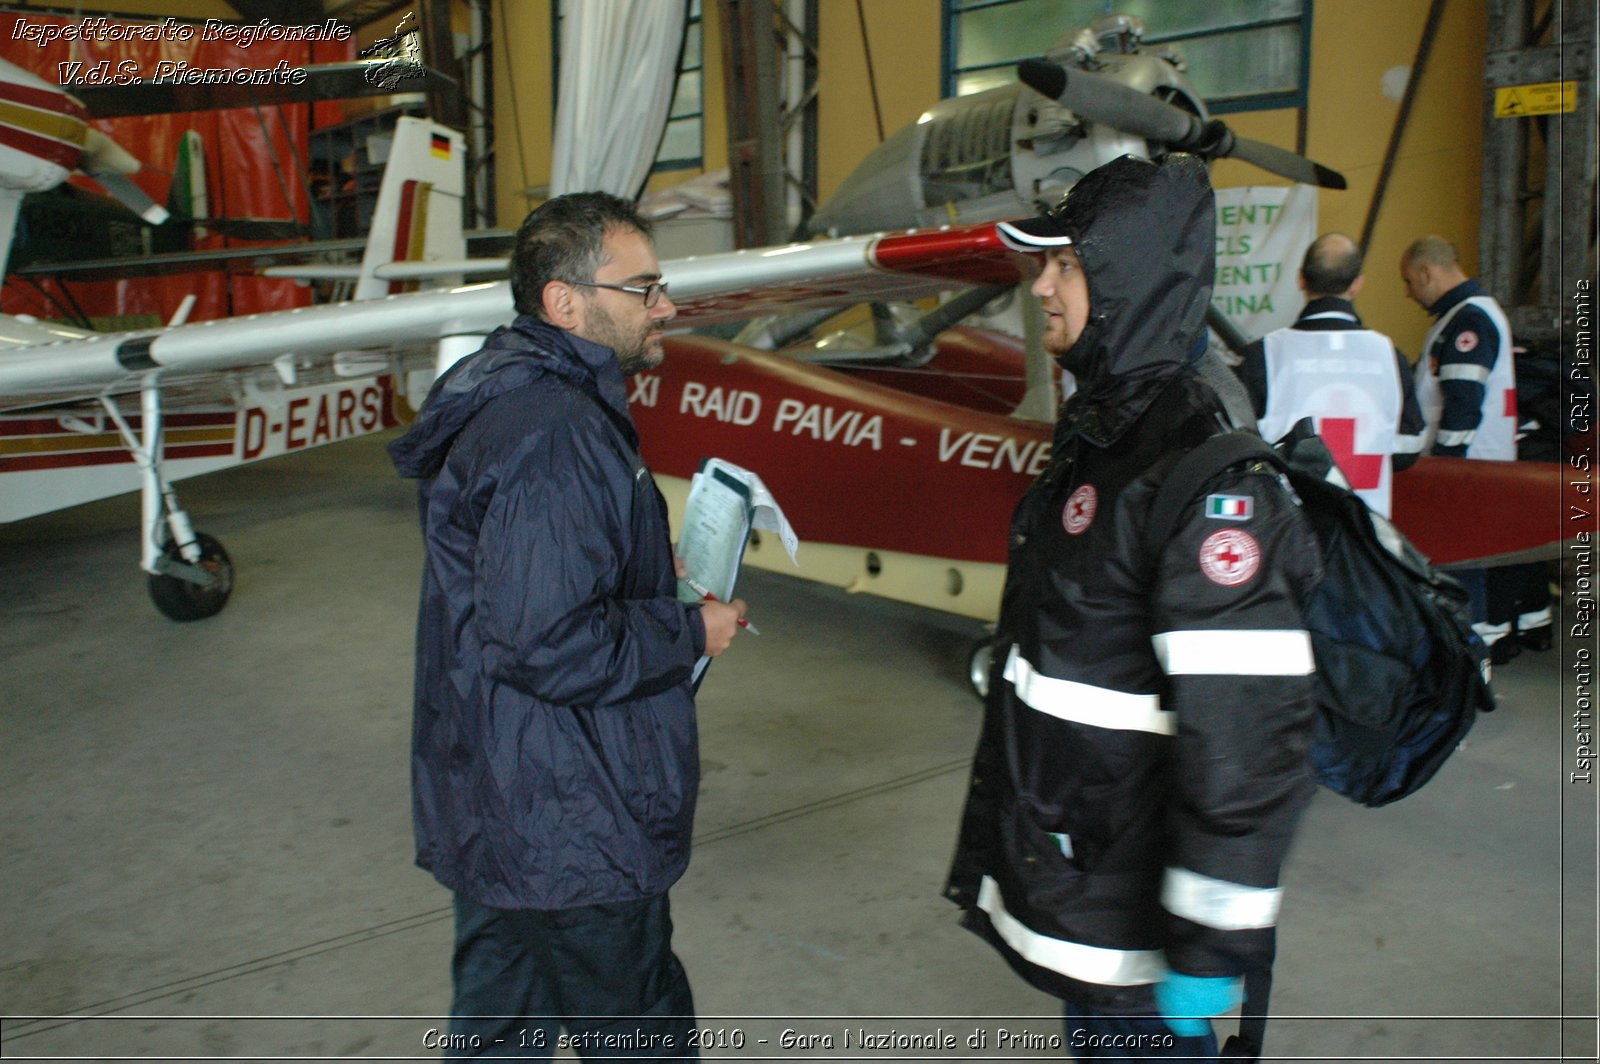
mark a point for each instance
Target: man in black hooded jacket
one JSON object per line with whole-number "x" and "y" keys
{"x": 1142, "y": 763}
{"x": 555, "y": 759}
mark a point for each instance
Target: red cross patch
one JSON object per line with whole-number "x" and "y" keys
{"x": 1080, "y": 508}
{"x": 1466, "y": 341}
{"x": 1230, "y": 557}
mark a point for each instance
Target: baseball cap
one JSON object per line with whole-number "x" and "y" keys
{"x": 1039, "y": 233}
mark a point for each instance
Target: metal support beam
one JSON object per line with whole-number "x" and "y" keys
{"x": 771, "y": 102}
{"x": 1430, "y": 30}
{"x": 1536, "y": 226}
{"x": 447, "y": 101}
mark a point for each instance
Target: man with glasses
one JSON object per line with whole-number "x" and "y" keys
{"x": 555, "y": 757}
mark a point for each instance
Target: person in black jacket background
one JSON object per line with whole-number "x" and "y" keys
{"x": 555, "y": 758}
{"x": 1143, "y": 759}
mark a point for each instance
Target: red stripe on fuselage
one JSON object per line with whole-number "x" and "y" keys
{"x": 51, "y": 426}
{"x": 851, "y": 462}
{"x": 401, "y": 250}
{"x": 99, "y": 458}
{"x": 43, "y": 99}
{"x": 51, "y": 151}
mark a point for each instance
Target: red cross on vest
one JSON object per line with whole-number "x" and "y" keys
{"x": 1363, "y": 471}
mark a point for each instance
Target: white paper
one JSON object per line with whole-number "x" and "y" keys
{"x": 725, "y": 502}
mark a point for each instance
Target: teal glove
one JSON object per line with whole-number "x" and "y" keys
{"x": 1187, "y": 1001}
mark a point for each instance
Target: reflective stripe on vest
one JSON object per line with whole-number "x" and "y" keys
{"x": 1232, "y": 652}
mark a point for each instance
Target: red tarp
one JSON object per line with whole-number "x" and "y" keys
{"x": 255, "y": 163}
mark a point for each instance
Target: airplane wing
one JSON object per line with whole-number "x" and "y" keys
{"x": 707, "y": 289}
{"x": 313, "y": 260}
{"x": 239, "y": 259}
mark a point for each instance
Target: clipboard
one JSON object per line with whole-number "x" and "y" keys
{"x": 717, "y": 519}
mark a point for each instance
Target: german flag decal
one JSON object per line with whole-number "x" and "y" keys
{"x": 441, "y": 147}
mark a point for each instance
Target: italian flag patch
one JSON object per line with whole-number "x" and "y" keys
{"x": 1230, "y": 507}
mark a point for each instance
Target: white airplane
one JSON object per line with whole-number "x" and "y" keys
{"x": 77, "y": 439}
{"x": 899, "y": 482}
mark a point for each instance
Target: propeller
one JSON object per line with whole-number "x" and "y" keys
{"x": 1102, "y": 99}
{"x": 110, "y": 164}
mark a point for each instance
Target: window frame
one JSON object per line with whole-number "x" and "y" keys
{"x": 953, "y": 10}
{"x": 695, "y": 18}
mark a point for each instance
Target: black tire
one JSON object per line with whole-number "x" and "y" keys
{"x": 183, "y": 601}
{"x": 978, "y": 664}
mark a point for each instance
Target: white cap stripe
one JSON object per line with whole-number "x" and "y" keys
{"x": 1017, "y": 240}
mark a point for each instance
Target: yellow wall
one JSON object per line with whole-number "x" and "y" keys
{"x": 524, "y": 105}
{"x": 904, "y": 39}
{"x": 1435, "y": 183}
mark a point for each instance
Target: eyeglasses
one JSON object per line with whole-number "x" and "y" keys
{"x": 651, "y": 292}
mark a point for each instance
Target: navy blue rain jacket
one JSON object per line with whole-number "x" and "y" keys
{"x": 555, "y": 760}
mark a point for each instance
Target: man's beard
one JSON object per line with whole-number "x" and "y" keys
{"x": 633, "y": 350}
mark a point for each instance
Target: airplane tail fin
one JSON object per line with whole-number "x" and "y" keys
{"x": 418, "y": 215}
{"x": 189, "y": 198}
{"x": 416, "y": 237}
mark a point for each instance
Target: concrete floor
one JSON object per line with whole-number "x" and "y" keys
{"x": 205, "y": 850}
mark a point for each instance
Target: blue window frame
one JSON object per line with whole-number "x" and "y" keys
{"x": 1242, "y": 55}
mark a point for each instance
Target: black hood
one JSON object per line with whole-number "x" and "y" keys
{"x": 1146, "y": 235}
{"x": 511, "y": 357}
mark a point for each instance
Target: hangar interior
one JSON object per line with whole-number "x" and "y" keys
{"x": 207, "y": 840}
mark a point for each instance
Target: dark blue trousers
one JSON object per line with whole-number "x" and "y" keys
{"x": 601, "y": 979}
{"x": 1096, "y": 1036}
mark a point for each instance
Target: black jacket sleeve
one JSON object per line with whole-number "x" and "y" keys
{"x": 1230, "y": 635}
{"x": 1409, "y": 433}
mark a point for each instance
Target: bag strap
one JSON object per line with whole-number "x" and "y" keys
{"x": 1191, "y": 472}
{"x": 1212, "y": 369}
{"x": 1187, "y": 476}
{"x": 1246, "y": 1045}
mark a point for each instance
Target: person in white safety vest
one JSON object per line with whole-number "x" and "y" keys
{"x": 1350, "y": 380}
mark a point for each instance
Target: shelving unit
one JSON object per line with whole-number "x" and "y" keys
{"x": 344, "y": 173}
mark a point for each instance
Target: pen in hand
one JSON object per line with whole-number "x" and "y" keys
{"x": 705, "y": 593}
